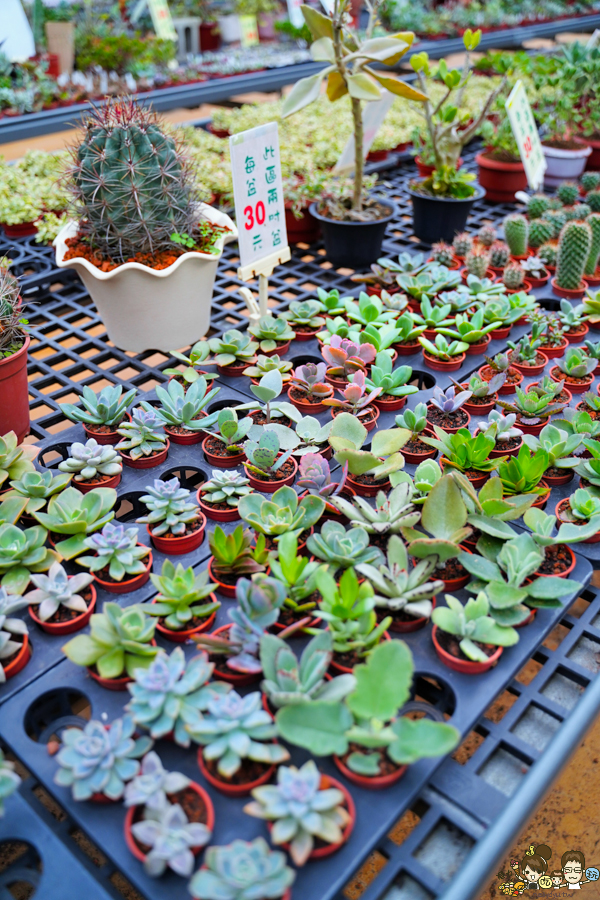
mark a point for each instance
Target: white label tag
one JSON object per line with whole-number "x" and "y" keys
{"x": 295, "y": 13}
{"x": 526, "y": 135}
{"x": 161, "y": 19}
{"x": 594, "y": 40}
{"x": 249, "y": 31}
{"x": 373, "y": 115}
{"x": 258, "y": 193}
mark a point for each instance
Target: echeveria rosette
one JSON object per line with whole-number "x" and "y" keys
{"x": 181, "y": 593}
{"x": 57, "y": 589}
{"x": 282, "y": 512}
{"x": 38, "y": 487}
{"x": 116, "y": 548}
{"x": 471, "y": 625}
{"x": 268, "y": 331}
{"x": 119, "y": 642}
{"x": 152, "y": 785}
{"x": 100, "y": 759}
{"x": 142, "y": 436}
{"x": 170, "y": 508}
{"x": 170, "y": 692}
{"x": 181, "y": 406}
{"x": 300, "y": 810}
{"x": 91, "y": 460}
{"x": 171, "y": 838}
{"x": 345, "y": 357}
{"x": 76, "y": 516}
{"x": 242, "y": 870}
{"x": 259, "y": 602}
{"x": 22, "y": 553}
{"x": 310, "y": 380}
{"x": 232, "y": 347}
{"x": 108, "y": 407}
{"x": 225, "y": 486}
{"x": 449, "y": 401}
{"x": 315, "y": 476}
{"x": 15, "y": 459}
{"x": 389, "y": 380}
{"x": 342, "y": 548}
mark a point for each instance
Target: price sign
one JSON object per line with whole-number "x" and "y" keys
{"x": 161, "y": 19}
{"x": 258, "y": 193}
{"x": 249, "y": 31}
{"x": 526, "y": 135}
{"x": 373, "y": 116}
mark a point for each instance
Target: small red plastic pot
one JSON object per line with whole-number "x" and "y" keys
{"x": 210, "y": 822}
{"x": 572, "y": 386}
{"x": 370, "y": 424}
{"x": 530, "y": 370}
{"x": 113, "y": 684}
{"x": 191, "y": 437}
{"x": 425, "y": 171}
{"x": 327, "y": 782}
{"x": 145, "y": 462}
{"x": 223, "y": 462}
{"x": 20, "y": 661}
{"x": 237, "y": 679}
{"x": 128, "y": 584}
{"x": 540, "y": 503}
{"x": 417, "y": 458}
{"x": 479, "y": 409}
{"x": 372, "y": 782}
{"x": 477, "y": 482}
{"x": 489, "y": 273}
{"x": 233, "y": 790}
{"x": 566, "y": 572}
{"x": 105, "y": 437}
{"x": 234, "y": 371}
{"x": 14, "y": 390}
{"x": 479, "y": 349}
{"x": 345, "y": 670}
{"x": 180, "y": 637}
{"x": 305, "y": 407}
{"x": 556, "y": 480}
{"x": 217, "y": 515}
{"x": 538, "y": 282}
{"x": 594, "y": 280}
{"x": 526, "y": 286}
{"x": 443, "y": 365}
{"x": 449, "y": 429}
{"x": 369, "y": 490}
{"x": 532, "y": 429}
{"x": 576, "y": 294}
{"x": 487, "y": 374}
{"x": 75, "y": 624}
{"x": 455, "y": 584}
{"x": 498, "y": 451}
{"x": 23, "y": 229}
{"x": 339, "y": 383}
{"x": 535, "y": 384}
{"x": 392, "y": 405}
{"x": 408, "y": 348}
{"x": 177, "y": 545}
{"x": 467, "y": 667}
{"x": 414, "y": 625}
{"x": 228, "y": 590}
{"x": 501, "y": 334}
{"x": 556, "y": 352}
{"x": 576, "y": 337}
{"x": 269, "y": 487}
{"x": 84, "y": 486}
{"x": 304, "y": 230}
{"x": 281, "y": 348}
{"x": 558, "y": 511}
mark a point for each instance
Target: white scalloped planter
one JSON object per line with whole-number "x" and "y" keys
{"x": 151, "y": 309}
{"x": 564, "y": 165}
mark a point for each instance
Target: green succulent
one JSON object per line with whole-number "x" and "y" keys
{"x": 391, "y": 381}
{"x": 576, "y": 363}
{"x": 119, "y": 642}
{"x": 281, "y": 512}
{"x": 294, "y": 572}
{"x": 350, "y": 611}
{"x": 368, "y": 310}
{"x": 470, "y": 329}
{"x": 583, "y": 506}
{"x": 414, "y": 420}
{"x": 398, "y": 589}
{"x": 441, "y": 348}
{"x": 15, "y": 459}
{"x": 443, "y": 524}
{"x": 198, "y": 354}
{"x": 116, "y": 548}
{"x": 108, "y": 407}
{"x": 170, "y": 508}
{"x": 391, "y": 513}
{"x": 522, "y": 474}
{"x": 341, "y": 548}
{"x": 472, "y": 625}
{"x": 180, "y": 594}
{"x": 305, "y": 313}
{"x": 558, "y": 444}
{"x": 463, "y": 451}
{"x": 268, "y": 331}
{"x": 22, "y": 552}
{"x": 241, "y": 870}
{"x": 532, "y": 407}
{"x": 141, "y": 436}
{"x": 232, "y": 347}
{"x": 234, "y": 555}
{"x": 225, "y": 486}
{"x": 37, "y": 488}
{"x": 230, "y": 430}
{"x": 78, "y": 515}
{"x": 589, "y": 469}
{"x": 181, "y": 406}
{"x": 9, "y": 780}
{"x": 266, "y": 364}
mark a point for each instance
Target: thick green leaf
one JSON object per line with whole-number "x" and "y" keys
{"x": 420, "y": 739}
{"x": 322, "y": 50}
{"x": 319, "y": 727}
{"x": 552, "y": 588}
{"x": 503, "y": 596}
{"x": 383, "y": 682}
{"x": 304, "y": 92}
{"x": 444, "y": 511}
{"x": 318, "y": 24}
{"x": 361, "y": 87}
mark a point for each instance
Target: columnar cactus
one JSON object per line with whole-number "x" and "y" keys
{"x": 499, "y": 255}
{"x": 537, "y": 206}
{"x": 477, "y": 261}
{"x": 462, "y": 243}
{"x": 593, "y": 221}
{"x": 513, "y": 276}
{"x": 540, "y": 231}
{"x": 132, "y": 184}
{"x": 557, "y": 219}
{"x": 516, "y": 231}
{"x": 568, "y": 192}
{"x": 573, "y": 251}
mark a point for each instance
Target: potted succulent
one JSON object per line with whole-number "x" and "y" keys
{"x": 14, "y": 343}
{"x": 533, "y": 409}
{"x": 560, "y": 447}
{"x": 356, "y": 401}
{"x": 76, "y": 515}
{"x": 466, "y": 453}
{"x": 579, "y": 509}
{"x": 471, "y": 330}
{"x": 573, "y": 250}
{"x": 501, "y": 364}
{"x": 312, "y": 437}
{"x": 445, "y": 409}
{"x": 509, "y": 438}
{"x": 407, "y": 331}
{"x": 571, "y": 318}
{"x": 353, "y": 226}
{"x": 268, "y": 389}
{"x": 266, "y": 468}
{"x": 143, "y": 446}
{"x": 307, "y": 388}
{"x": 234, "y": 556}
{"x": 484, "y": 394}
{"x": 218, "y": 498}
{"x": 391, "y": 513}
{"x": 181, "y": 409}
{"x": 241, "y": 867}
{"x": 525, "y": 356}
{"x": 575, "y": 370}
{"x": 523, "y": 474}
{"x": 178, "y": 605}
{"x": 346, "y": 358}
{"x": 498, "y": 310}
{"x": 557, "y": 557}
{"x": 154, "y": 218}
{"x": 266, "y": 364}
{"x": 234, "y": 352}
{"x": 281, "y": 513}
{"x": 34, "y": 489}
{"x": 102, "y": 412}
{"x": 341, "y": 548}
{"x": 304, "y": 318}
{"x": 297, "y": 574}
{"x": 369, "y": 471}
{"x": 92, "y": 465}
{"x": 120, "y": 641}
{"x": 415, "y": 421}
{"x": 272, "y": 335}
{"x": 315, "y": 478}
{"x": 589, "y": 468}
{"x": 175, "y": 524}
{"x": 118, "y": 559}
{"x": 223, "y": 446}
{"x": 16, "y": 460}
{"x": 466, "y": 638}
{"x": 536, "y": 273}
{"x": 392, "y": 383}
{"x": 15, "y": 649}
{"x": 441, "y": 355}
{"x": 198, "y": 354}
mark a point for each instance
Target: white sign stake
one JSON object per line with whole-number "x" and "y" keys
{"x": 526, "y": 135}
{"x": 259, "y": 210}
{"x": 373, "y": 116}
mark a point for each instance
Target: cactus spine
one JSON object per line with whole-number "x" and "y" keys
{"x": 462, "y": 243}
{"x": 590, "y": 181}
{"x": 540, "y": 231}
{"x": 486, "y": 235}
{"x": 513, "y": 276}
{"x": 537, "y": 206}
{"x": 516, "y": 231}
{"x": 593, "y": 221}
{"x": 573, "y": 251}
{"x": 499, "y": 254}
{"x": 593, "y": 201}
{"x": 442, "y": 253}
{"x": 557, "y": 219}
{"x": 477, "y": 262}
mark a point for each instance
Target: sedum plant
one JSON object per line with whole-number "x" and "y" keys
{"x": 235, "y": 728}
{"x": 233, "y": 347}
{"x": 99, "y": 758}
{"x": 22, "y": 553}
{"x": 119, "y": 642}
{"x": 471, "y": 624}
{"x": 225, "y": 486}
{"x": 300, "y": 810}
{"x": 295, "y": 573}
{"x": 170, "y": 509}
{"x": 151, "y": 787}
{"x": 281, "y": 512}
{"x": 167, "y": 694}
{"x": 37, "y": 487}
{"x": 266, "y": 364}
{"x": 233, "y": 554}
{"x": 9, "y": 780}
{"x": 269, "y": 331}
{"x": 398, "y": 590}
{"x": 180, "y": 594}
{"x": 198, "y": 354}
{"x": 171, "y": 838}
{"x": 115, "y": 548}
{"x": 230, "y": 430}
{"x": 15, "y": 459}
{"x": 10, "y": 628}
{"x": 350, "y": 611}
{"x": 290, "y": 682}
{"x": 180, "y": 406}
{"x": 463, "y": 451}
{"x": 341, "y": 548}
{"x": 241, "y": 870}
{"x": 56, "y": 590}
{"x": 108, "y": 407}
{"x": 89, "y": 461}
{"x": 141, "y": 436}
{"x": 391, "y": 512}
{"x": 388, "y": 380}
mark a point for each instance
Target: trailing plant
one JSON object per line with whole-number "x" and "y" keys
{"x": 119, "y": 642}
{"x": 170, "y": 509}
{"x": 108, "y": 407}
{"x": 89, "y": 461}
{"x": 141, "y": 436}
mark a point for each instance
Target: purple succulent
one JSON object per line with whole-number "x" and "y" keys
{"x": 310, "y": 379}
{"x": 345, "y": 357}
{"x": 356, "y": 399}
{"x": 450, "y": 401}
{"x": 315, "y": 476}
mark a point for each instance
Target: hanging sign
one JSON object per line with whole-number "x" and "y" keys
{"x": 259, "y": 206}
{"x": 373, "y": 116}
{"x": 249, "y": 30}
{"x": 526, "y": 135}
{"x": 162, "y": 20}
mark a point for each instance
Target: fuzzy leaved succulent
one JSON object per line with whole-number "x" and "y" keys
{"x": 472, "y": 625}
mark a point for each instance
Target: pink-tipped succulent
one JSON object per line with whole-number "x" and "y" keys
{"x": 356, "y": 399}
{"x": 310, "y": 379}
{"x": 315, "y": 476}
{"x": 345, "y": 357}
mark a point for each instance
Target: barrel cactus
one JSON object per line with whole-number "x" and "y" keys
{"x": 516, "y": 231}
{"x": 593, "y": 200}
{"x": 462, "y": 243}
{"x": 477, "y": 261}
{"x": 132, "y": 184}
{"x": 537, "y": 206}
{"x": 557, "y": 219}
{"x": 593, "y": 221}
{"x": 573, "y": 251}
{"x": 540, "y": 231}
{"x": 442, "y": 253}
{"x": 548, "y": 253}
{"x": 568, "y": 192}
{"x": 577, "y": 212}
{"x": 513, "y": 276}
{"x": 486, "y": 235}
{"x": 590, "y": 181}
{"x": 499, "y": 255}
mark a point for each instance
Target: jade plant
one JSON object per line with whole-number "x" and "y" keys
{"x": 463, "y": 451}
{"x": 233, "y": 348}
{"x": 281, "y": 512}
{"x": 226, "y": 487}
{"x": 269, "y": 332}
{"x": 391, "y": 382}
{"x": 78, "y": 515}
{"x": 266, "y": 364}
{"x": 116, "y": 550}
{"x": 166, "y": 694}
{"x": 10, "y": 628}
{"x": 234, "y": 729}
{"x": 180, "y": 407}
{"x": 295, "y": 573}
{"x": 170, "y": 509}
{"x": 119, "y": 642}
{"x": 106, "y": 408}
{"x": 141, "y": 436}
{"x": 23, "y": 553}
{"x": 99, "y": 758}
{"x": 342, "y": 548}
{"x": 198, "y": 354}
{"x": 241, "y": 870}
{"x": 349, "y": 610}
{"x": 290, "y": 682}
{"x": 300, "y": 810}
{"x": 37, "y": 487}
{"x": 180, "y": 596}
{"x": 230, "y": 430}
{"x": 233, "y": 554}
{"x": 171, "y": 839}
{"x": 392, "y": 511}
{"x": 56, "y": 590}
{"x": 89, "y": 461}
{"x": 472, "y": 625}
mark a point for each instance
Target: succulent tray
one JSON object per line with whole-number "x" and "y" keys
{"x": 452, "y": 802}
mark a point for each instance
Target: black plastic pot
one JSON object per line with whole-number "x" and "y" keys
{"x": 354, "y": 244}
{"x": 441, "y": 218}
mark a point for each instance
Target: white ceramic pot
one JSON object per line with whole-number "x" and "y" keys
{"x": 564, "y": 165}
{"x": 229, "y": 27}
{"x": 152, "y": 309}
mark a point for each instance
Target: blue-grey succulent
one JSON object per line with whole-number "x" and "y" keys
{"x": 242, "y": 870}
{"x": 10, "y": 627}
{"x": 57, "y": 589}
{"x": 449, "y": 401}
{"x": 9, "y": 780}
{"x": 170, "y": 838}
{"x": 116, "y": 548}
{"x": 169, "y": 507}
{"x": 143, "y": 435}
{"x": 152, "y": 785}
{"x": 181, "y": 406}
{"x": 341, "y": 547}
{"x": 90, "y": 460}
{"x": 289, "y": 682}
{"x": 105, "y": 408}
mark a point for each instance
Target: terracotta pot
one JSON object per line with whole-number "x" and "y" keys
{"x": 413, "y": 625}
{"x": 14, "y": 390}
{"x": 217, "y": 515}
{"x": 368, "y": 490}
{"x": 307, "y": 408}
{"x": 234, "y": 371}
{"x": 145, "y": 462}
{"x": 210, "y": 822}
{"x": 530, "y": 370}
{"x": 487, "y": 374}
{"x": 84, "y": 486}
{"x": 576, "y": 294}
{"x": 237, "y": 679}
{"x": 556, "y": 352}
{"x": 177, "y": 545}
{"x": 370, "y": 782}
{"x": 107, "y": 437}
{"x": 498, "y": 451}
{"x": 390, "y": 405}
{"x": 572, "y": 386}
{"x": 233, "y": 790}
{"x": 448, "y": 428}
{"x": 20, "y": 661}
{"x": 180, "y": 637}
{"x": 369, "y": 425}
{"x": 269, "y": 487}
{"x": 538, "y": 282}
{"x": 345, "y": 670}
{"x": 443, "y": 365}
{"x": 467, "y": 667}
{"x": 128, "y": 584}
{"x": 563, "y": 505}
{"x": 75, "y": 624}
{"x": 579, "y": 336}
{"x": 281, "y": 348}
{"x": 501, "y": 180}
{"x": 479, "y": 349}
{"x": 223, "y": 462}
{"x": 566, "y": 572}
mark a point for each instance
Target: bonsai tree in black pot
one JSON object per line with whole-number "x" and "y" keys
{"x": 353, "y": 223}
{"x": 443, "y": 200}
